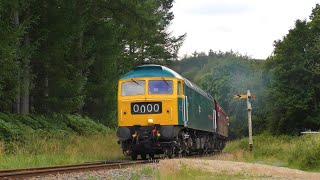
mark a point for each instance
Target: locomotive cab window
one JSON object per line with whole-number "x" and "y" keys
{"x": 132, "y": 88}
{"x": 160, "y": 86}
{"x": 180, "y": 91}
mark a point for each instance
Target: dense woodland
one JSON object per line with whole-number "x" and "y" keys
{"x": 65, "y": 56}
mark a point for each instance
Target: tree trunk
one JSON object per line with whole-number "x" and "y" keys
{"x": 316, "y": 96}
{"x": 18, "y": 96}
{"x": 25, "y": 100}
{"x": 45, "y": 23}
{"x": 80, "y": 57}
{"x": 16, "y": 22}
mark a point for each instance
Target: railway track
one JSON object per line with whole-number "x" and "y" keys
{"x": 89, "y": 166}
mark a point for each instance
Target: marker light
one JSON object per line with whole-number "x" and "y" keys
{"x": 150, "y": 121}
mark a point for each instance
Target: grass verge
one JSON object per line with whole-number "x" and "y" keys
{"x": 302, "y": 152}
{"x": 59, "y": 149}
{"x": 54, "y": 139}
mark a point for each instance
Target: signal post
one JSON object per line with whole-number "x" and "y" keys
{"x": 249, "y": 108}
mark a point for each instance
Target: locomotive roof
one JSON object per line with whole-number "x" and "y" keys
{"x": 154, "y": 70}
{"x": 151, "y": 70}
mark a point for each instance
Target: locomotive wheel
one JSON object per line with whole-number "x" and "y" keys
{"x": 168, "y": 153}
{"x": 143, "y": 156}
{"x": 184, "y": 153}
{"x": 134, "y": 156}
{"x": 151, "y": 156}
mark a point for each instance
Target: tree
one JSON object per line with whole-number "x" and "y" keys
{"x": 10, "y": 36}
{"x": 224, "y": 76}
{"x": 312, "y": 63}
{"x": 294, "y": 92}
{"x": 18, "y": 48}
{"x": 65, "y": 56}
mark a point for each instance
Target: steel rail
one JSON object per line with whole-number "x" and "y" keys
{"x": 41, "y": 171}
{"x": 87, "y": 166}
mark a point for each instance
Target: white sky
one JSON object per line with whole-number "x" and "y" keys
{"x": 246, "y": 26}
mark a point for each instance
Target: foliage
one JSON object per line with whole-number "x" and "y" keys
{"x": 66, "y": 56}
{"x": 294, "y": 85}
{"x": 286, "y": 85}
{"x": 14, "y": 55}
{"x": 17, "y": 127}
{"x": 224, "y": 75}
{"x": 54, "y": 139}
{"x": 297, "y": 152}
{"x": 57, "y": 148}
{"x": 306, "y": 154}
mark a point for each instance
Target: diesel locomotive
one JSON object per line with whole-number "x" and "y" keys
{"x": 161, "y": 112}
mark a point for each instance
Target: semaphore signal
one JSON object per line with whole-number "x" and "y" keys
{"x": 249, "y": 98}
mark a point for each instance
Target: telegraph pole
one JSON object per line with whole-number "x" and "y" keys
{"x": 249, "y": 107}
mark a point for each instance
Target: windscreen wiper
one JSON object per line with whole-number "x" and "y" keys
{"x": 166, "y": 82}
{"x": 136, "y": 82}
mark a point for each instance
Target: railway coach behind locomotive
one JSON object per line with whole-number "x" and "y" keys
{"x": 161, "y": 112}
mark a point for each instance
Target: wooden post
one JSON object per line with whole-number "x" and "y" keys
{"x": 249, "y": 120}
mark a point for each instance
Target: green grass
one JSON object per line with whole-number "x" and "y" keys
{"x": 54, "y": 139}
{"x": 60, "y": 150}
{"x": 301, "y": 152}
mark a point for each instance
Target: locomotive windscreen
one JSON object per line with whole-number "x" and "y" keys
{"x": 160, "y": 87}
{"x": 132, "y": 88}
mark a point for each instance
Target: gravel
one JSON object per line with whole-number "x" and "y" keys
{"x": 272, "y": 172}
{"x": 121, "y": 174}
{"x": 170, "y": 166}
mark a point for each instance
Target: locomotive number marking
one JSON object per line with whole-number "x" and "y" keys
{"x": 146, "y": 108}
{"x": 149, "y": 108}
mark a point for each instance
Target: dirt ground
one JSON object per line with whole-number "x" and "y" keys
{"x": 171, "y": 167}
{"x": 270, "y": 172}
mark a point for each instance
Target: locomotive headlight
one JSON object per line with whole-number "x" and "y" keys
{"x": 158, "y": 134}
{"x": 150, "y": 121}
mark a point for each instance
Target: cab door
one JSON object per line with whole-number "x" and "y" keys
{"x": 183, "y": 104}
{"x": 186, "y": 111}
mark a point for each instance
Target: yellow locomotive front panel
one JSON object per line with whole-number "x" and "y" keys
{"x": 147, "y": 101}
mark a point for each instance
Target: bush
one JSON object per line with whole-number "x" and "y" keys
{"x": 19, "y": 128}
{"x": 302, "y": 152}
{"x": 306, "y": 154}
{"x": 1, "y": 149}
